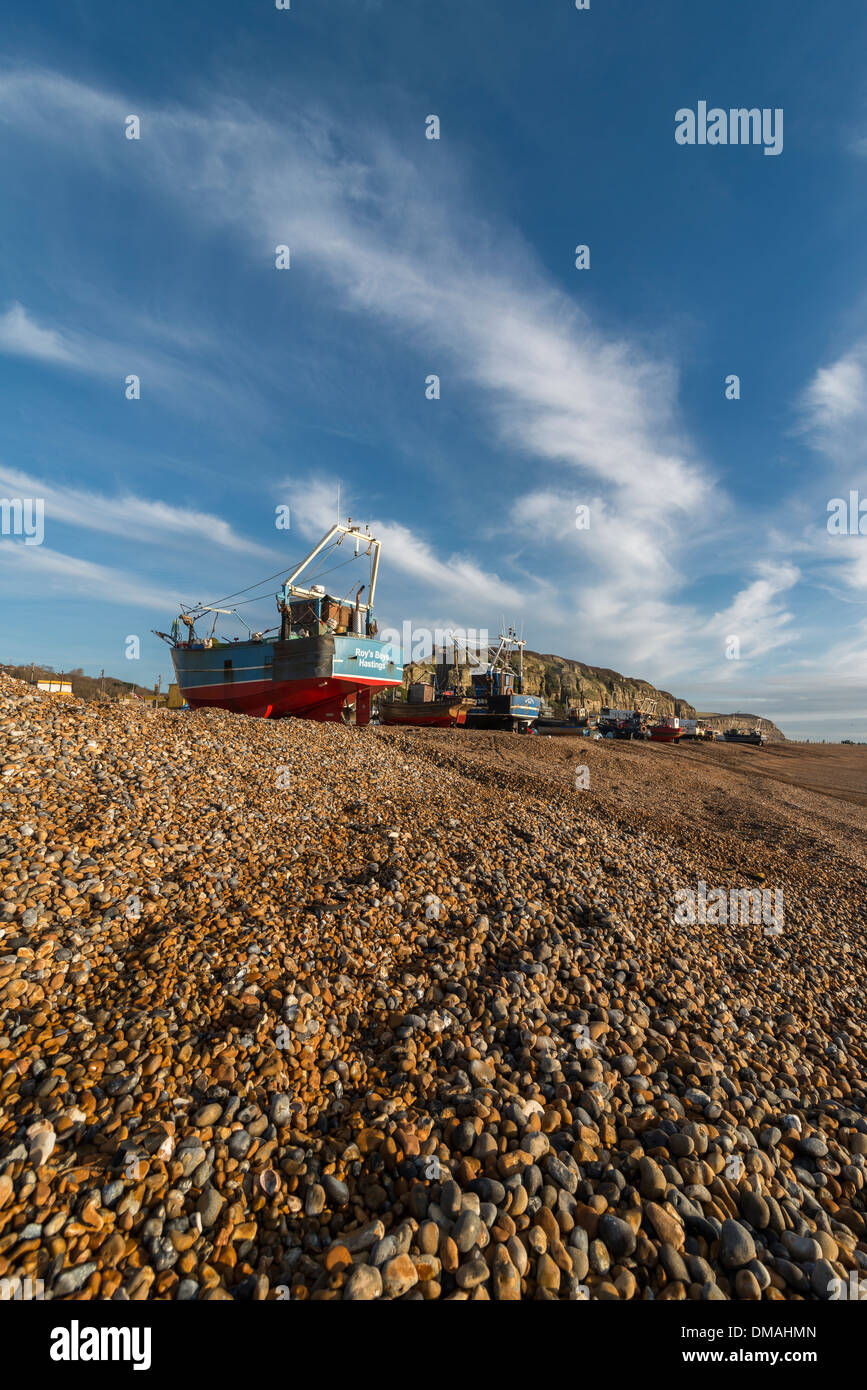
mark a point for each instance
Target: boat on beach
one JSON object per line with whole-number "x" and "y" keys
{"x": 430, "y": 712}
{"x": 495, "y": 701}
{"x": 500, "y": 702}
{"x": 577, "y": 723}
{"x": 667, "y": 730}
{"x": 323, "y": 658}
{"x": 754, "y": 736}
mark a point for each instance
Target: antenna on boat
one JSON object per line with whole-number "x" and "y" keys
{"x": 338, "y": 504}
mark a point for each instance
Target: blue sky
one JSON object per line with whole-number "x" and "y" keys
{"x": 559, "y": 387}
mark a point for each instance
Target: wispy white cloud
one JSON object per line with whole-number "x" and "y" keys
{"x": 833, "y": 407}
{"x": 448, "y": 580}
{"x": 36, "y": 98}
{"x": 40, "y": 572}
{"x": 625, "y": 591}
{"x": 756, "y": 617}
{"x": 833, "y": 416}
{"x": 838, "y": 392}
{"x": 129, "y": 517}
{"x": 22, "y": 336}
{"x": 467, "y": 299}
{"x": 187, "y": 380}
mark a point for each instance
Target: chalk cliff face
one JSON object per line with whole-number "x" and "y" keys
{"x": 560, "y": 680}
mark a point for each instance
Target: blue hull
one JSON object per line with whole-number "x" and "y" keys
{"x": 310, "y": 677}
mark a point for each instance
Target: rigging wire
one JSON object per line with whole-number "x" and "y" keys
{"x": 259, "y": 582}
{"x": 320, "y": 575}
{"x": 260, "y": 598}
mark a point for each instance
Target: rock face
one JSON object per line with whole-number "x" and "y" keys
{"x": 560, "y": 680}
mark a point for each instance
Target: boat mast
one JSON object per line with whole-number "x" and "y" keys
{"x": 374, "y": 571}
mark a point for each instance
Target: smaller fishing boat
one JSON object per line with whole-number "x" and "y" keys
{"x": 667, "y": 730}
{"x": 754, "y": 736}
{"x": 426, "y": 707}
{"x": 500, "y": 702}
{"x": 627, "y": 725}
{"x": 577, "y": 722}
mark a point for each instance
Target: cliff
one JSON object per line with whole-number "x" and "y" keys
{"x": 560, "y": 680}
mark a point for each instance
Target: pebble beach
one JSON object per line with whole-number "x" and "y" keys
{"x": 299, "y": 1011}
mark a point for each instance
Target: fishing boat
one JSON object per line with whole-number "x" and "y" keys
{"x": 323, "y": 658}
{"x": 435, "y": 703}
{"x": 666, "y": 731}
{"x": 577, "y": 723}
{"x": 754, "y": 736}
{"x": 498, "y": 688}
{"x": 431, "y": 711}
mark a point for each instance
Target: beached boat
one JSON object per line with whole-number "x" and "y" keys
{"x": 324, "y": 657}
{"x": 666, "y": 731}
{"x": 500, "y": 702}
{"x": 627, "y": 725}
{"x": 575, "y": 723}
{"x": 755, "y": 736}
{"x": 432, "y": 712}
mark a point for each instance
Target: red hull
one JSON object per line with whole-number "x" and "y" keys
{"x": 322, "y": 700}
{"x": 664, "y": 734}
